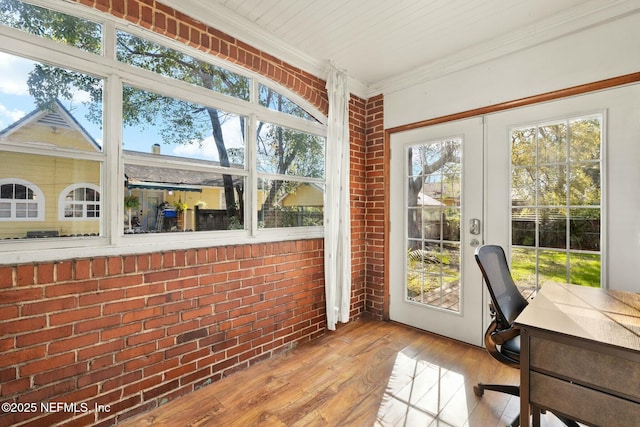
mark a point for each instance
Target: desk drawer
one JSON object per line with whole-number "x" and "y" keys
{"x": 584, "y": 404}
{"x": 591, "y": 367}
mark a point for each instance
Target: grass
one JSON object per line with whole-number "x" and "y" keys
{"x": 584, "y": 269}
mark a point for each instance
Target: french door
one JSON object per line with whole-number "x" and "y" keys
{"x": 436, "y": 211}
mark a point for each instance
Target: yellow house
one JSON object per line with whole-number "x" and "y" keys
{"x": 54, "y": 194}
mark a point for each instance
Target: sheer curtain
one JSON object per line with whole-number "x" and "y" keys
{"x": 337, "y": 222}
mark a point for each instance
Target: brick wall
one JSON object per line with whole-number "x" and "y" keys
{"x": 375, "y": 213}
{"x": 133, "y": 332}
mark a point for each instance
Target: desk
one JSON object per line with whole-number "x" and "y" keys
{"x": 580, "y": 355}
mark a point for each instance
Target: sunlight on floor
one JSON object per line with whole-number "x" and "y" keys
{"x": 417, "y": 392}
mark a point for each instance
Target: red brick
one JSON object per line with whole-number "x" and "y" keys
{"x": 47, "y": 364}
{"x": 45, "y": 273}
{"x": 49, "y": 305}
{"x": 14, "y": 295}
{"x": 132, "y": 352}
{"x": 28, "y": 324}
{"x": 74, "y": 288}
{"x": 44, "y": 335}
{"x": 98, "y": 324}
{"x": 6, "y": 276}
{"x": 74, "y": 343}
{"x": 64, "y": 271}
{"x": 25, "y": 274}
{"x": 101, "y": 349}
{"x": 112, "y": 333}
{"x": 70, "y": 316}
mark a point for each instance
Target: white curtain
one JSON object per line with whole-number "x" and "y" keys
{"x": 337, "y": 223}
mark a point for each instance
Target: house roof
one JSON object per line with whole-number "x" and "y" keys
{"x": 56, "y": 118}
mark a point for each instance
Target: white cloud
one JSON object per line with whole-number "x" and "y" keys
{"x": 205, "y": 150}
{"x": 14, "y": 72}
{"x": 8, "y": 117}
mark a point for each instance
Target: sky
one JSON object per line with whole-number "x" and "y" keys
{"x": 15, "y": 103}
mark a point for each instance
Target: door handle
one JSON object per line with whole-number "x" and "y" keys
{"x": 474, "y": 226}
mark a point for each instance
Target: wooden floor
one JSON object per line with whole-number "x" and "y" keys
{"x": 367, "y": 373}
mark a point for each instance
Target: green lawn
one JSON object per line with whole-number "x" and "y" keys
{"x": 584, "y": 268}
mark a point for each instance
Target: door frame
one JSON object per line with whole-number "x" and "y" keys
{"x": 507, "y": 105}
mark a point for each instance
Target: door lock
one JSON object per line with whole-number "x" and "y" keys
{"x": 474, "y": 226}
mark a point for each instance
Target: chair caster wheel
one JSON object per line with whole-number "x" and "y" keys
{"x": 478, "y": 390}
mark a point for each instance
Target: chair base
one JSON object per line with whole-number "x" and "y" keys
{"x": 479, "y": 389}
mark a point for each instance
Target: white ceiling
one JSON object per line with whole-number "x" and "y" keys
{"x": 386, "y": 45}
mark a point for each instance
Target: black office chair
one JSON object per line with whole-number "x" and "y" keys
{"x": 502, "y": 339}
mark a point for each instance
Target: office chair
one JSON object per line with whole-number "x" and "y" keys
{"x": 502, "y": 339}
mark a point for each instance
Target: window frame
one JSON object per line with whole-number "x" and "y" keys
{"x": 62, "y": 202}
{"x": 116, "y": 74}
{"x": 40, "y": 203}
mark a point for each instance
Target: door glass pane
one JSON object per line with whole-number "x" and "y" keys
{"x": 433, "y": 223}
{"x": 556, "y": 201}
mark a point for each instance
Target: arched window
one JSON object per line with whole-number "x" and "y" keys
{"x": 20, "y": 201}
{"x": 79, "y": 201}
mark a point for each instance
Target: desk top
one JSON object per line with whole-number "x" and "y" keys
{"x": 603, "y": 315}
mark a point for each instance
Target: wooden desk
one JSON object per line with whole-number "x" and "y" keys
{"x": 580, "y": 355}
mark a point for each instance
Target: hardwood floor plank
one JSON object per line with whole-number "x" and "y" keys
{"x": 366, "y": 373}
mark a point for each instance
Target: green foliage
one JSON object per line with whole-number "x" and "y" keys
{"x": 131, "y": 201}
{"x": 49, "y": 24}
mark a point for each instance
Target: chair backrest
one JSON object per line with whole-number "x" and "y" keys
{"x": 507, "y": 300}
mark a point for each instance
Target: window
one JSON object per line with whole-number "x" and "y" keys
{"x": 167, "y": 62}
{"x": 284, "y": 154}
{"x": 50, "y": 140}
{"x": 69, "y": 30}
{"x": 556, "y": 202}
{"x": 278, "y": 102}
{"x": 80, "y": 201}
{"x": 20, "y": 201}
{"x": 149, "y": 140}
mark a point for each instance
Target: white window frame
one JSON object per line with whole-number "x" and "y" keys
{"x": 40, "y": 201}
{"x": 113, "y": 241}
{"x": 62, "y": 202}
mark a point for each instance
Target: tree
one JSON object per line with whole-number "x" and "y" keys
{"x": 439, "y": 157}
{"x": 182, "y": 121}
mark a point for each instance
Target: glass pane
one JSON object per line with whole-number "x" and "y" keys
{"x": 50, "y": 105}
{"x": 523, "y": 146}
{"x": 584, "y": 184}
{"x": 585, "y": 269}
{"x": 277, "y": 102}
{"x": 523, "y": 186}
{"x": 552, "y": 185}
{"x": 434, "y": 187}
{"x": 163, "y": 199}
{"x": 431, "y": 223}
{"x": 285, "y": 151}
{"x": 552, "y": 267}
{"x": 523, "y": 268}
{"x": 552, "y": 228}
{"x": 57, "y": 26}
{"x": 451, "y": 225}
{"x": 167, "y": 62}
{"x": 523, "y": 226}
{"x": 162, "y": 127}
{"x": 289, "y": 204}
{"x": 552, "y": 143}
{"x": 585, "y": 137}
{"x": 585, "y": 229}
{"x": 415, "y": 160}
